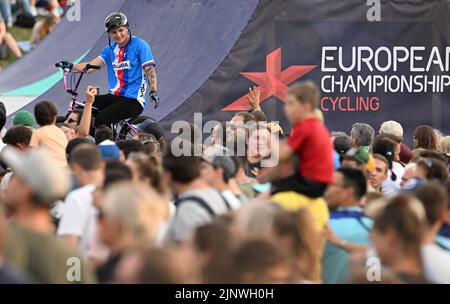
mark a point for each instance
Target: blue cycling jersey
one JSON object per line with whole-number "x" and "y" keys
{"x": 126, "y": 76}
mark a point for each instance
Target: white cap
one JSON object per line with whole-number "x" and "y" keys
{"x": 36, "y": 168}
{"x": 392, "y": 127}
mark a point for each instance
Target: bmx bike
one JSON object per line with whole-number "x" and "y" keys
{"x": 123, "y": 129}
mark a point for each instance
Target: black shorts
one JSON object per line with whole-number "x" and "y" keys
{"x": 300, "y": 184}
{"x": 112, "y": 109}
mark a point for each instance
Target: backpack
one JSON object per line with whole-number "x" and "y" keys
{"x": 202, "y": 203}
{"x": 25, "y": 21}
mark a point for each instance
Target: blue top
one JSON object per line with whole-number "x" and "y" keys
{"x": 443, "y": 237}
{"x": 125, "y": 68}
{"x": 350, "y": 225}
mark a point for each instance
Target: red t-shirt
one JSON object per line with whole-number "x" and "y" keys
{"x": 311, "y": 141}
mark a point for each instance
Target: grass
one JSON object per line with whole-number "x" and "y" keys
{"x": 19, "y": 34}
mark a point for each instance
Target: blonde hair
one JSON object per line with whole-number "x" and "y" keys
{"x": 140, "y": 209}
{"x": 445, "y": 144}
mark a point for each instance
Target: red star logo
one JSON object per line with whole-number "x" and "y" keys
{"x": 273, "y": 82}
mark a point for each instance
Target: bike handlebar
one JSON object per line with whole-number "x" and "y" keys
{"x": 87, "y": 67}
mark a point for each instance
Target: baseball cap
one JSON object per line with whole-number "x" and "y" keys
{"x": 392, "y": 127}
{"x": 342, "y": 144}
{"x": 109, "y": 150}
{"x": 220, "y": 158}
{"x": 359, "y": 155}
{"x": 36, "y": 168}
{"x": 24, "y": 118}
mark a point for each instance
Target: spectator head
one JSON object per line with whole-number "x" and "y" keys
{"x": 73, "y": 144}
{"x": 36, "y": 183}
{"x": 301, "y": 101}
{"x": 405, "y": 154}
{"x": 239, "y": 126}
{"x": 18, "y": 137}
{"x": 87, "y": 164}
{"x": 260, "y": 141}
{"x": 151, "y": 146}
{"x": 380, "y": 174}
{"x": 130, "y": 145}
{"x": 431, "y": 169}
{"x": 424, "y": 137}
{"x": 45, "y": 113}
{"x": 445, "y": 144}
{"x": 181, "y": 169}
{"x": 387, "y": 148}
{"x": 296, "y": 232}
{"x": 434, "y": 155}
{"x": 398, "y": 231}
{"x": 109, "y": 150}
{"x": 342, "y": 143}
{"x": 2, "y": 115}
{"x": 74, "y": 119}
{"x": 254, "y": 219}
{"x": 260, "y": 261}
{"x": 434, "y": 198}
{"x": 86, "y": 157}
{"x": 132, "y": 215}
{"x": 362, "y": 134}
{"x": 392, "y": 127}
{"x": 68, "y": 131}
{"x": 103, "y": 133}
{"x": 218, "y": 134}
{"x": 409, "y": 173}
{"x": 348, "y": 188}
{"x": 146, "y": 170}
{"x": 24, "y": 118}
{"x": 152, "y": 127}
{"x": 396, "y": 140}
{"x": 217, "y": 167}
{"x": 356, "y": 158}
{"x": 258, "y": 115}
{"x": 213, "y": 245}
{"x": 115, "y": 171}
{"x": 242, "y": 118}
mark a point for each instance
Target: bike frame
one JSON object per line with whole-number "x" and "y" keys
{"x": 73, "y": 102}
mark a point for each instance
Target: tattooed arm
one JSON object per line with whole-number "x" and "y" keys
{"x": 151, "y": 76}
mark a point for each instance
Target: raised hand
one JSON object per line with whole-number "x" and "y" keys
{"x": 253, "y": 97}
{"x": 91, "y": 91}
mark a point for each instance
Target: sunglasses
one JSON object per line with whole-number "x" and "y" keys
{"x": 71, "y": 120}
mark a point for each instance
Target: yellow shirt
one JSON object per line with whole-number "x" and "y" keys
{"x": 293, "y": 201}
{"x": 53, "y": 140}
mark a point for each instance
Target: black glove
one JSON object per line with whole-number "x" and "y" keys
{"x": 65, "y": 65}
{"x": 154, "y": 98}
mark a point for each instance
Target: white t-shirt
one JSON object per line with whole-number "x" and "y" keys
{"x": 79, "y": 217}
{"x": 234, "y": 202}
{"x": 390, "y": 187}
{"x": 436, "y": 264}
